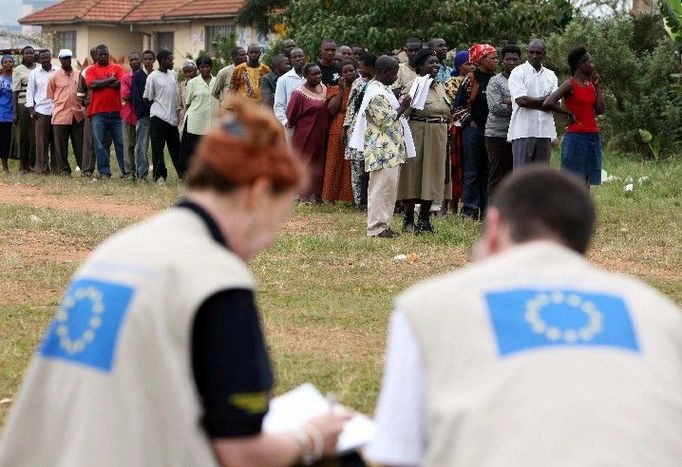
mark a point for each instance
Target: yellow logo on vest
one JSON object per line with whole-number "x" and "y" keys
{"x": 529, "y": 319}
{"x": 86, "y": 326}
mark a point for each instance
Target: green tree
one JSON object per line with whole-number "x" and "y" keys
{"x": 383, "y": 25}
{"x": 261, "y": 14}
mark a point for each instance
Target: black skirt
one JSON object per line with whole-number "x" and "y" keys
{"x": 5, "y": 139}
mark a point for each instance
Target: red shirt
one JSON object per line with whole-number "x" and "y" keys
{"x": 104, "y": 99}
{"x": 581, "y": 104}
{"x": 127, "y": 112}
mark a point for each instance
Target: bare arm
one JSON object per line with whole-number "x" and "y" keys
{"x": 334, "y": 104}
{"x": 15, "y": 105}
{"x": 531, "y": 102}
{"x": 281, "y": 450}
{"x": 600, "y": 106}
{"x": 106, "y": 82}
{"x": 552, "y": 101}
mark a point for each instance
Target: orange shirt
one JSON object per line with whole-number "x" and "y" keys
{"x": 61, "y": 88}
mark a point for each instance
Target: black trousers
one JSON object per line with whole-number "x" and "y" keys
{"x": 500, "y": 161}
{"x": 161, "y": 134}
{"x": 188, "y": 145}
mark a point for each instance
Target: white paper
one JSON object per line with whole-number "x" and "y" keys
{"x": 294, "y": 408}
{"x": 419, "y": 91}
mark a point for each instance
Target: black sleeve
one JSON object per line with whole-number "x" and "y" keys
{"x": 231, "y": 365}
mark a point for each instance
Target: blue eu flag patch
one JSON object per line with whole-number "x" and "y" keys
{"x": 528, "y": 319}
{"x": 86, "y": 326}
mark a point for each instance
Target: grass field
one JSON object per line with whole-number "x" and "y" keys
{"x": 325, "y": 289}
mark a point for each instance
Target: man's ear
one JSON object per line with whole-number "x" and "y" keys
{"x": 258, "y": 193}
{"x": 494, "y": 237}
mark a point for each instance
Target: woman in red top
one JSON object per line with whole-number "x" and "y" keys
{"x": 582, "y": 97}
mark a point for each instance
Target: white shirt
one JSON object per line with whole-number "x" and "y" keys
{"x": 36, "y": 92}
{"x": 399, "y": 439}
{"x": 162, "y": 89}
{"x": 531, "y": 123}
{"x": 511, "y": 405}
{"x": 286, "y": 85}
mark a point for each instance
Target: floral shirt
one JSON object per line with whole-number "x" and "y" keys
{"x": 246, "y": 80}
{"x": 444, "y": 72}
{"x": 384, "y": 140}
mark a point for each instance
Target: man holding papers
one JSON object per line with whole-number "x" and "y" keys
{"x": 382, "y": 133}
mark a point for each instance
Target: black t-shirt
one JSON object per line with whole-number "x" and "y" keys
{"x": 479, "y": 107}
{"x": 330, "y": 74}
{"x": 229, "y": 357}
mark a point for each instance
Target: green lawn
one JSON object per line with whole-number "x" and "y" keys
{"x": 325, "y": 288}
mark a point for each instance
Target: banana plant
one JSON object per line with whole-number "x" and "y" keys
{"x": 672, "y": 18}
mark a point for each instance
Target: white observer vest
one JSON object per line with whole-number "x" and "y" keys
{"x": 537, "y": 358}
{"x": 112, "y": 382}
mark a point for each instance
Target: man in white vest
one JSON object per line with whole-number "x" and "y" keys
{"x": 532, "y": 356}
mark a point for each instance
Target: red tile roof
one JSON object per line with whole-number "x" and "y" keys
{"x": 131, "y": 11}
{"x": 203, "y": 8}
{"x": 152, "y": 11}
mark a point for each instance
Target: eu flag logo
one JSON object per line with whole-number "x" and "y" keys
{"x": 86, "y": 326}
{"x": 527, "y": 319}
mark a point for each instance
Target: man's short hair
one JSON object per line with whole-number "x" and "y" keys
{"x": 368, "y": 59}
{"x": 510, "y": 49}
{"x": 278, "y": 59}
{"x": 540, "y": 202}
{"x": 413, "y": 40}
{"x": 149, "y": 52}
{"x": 236, "y": 51}
{"x": 164, "y": 54}
{"x": 101, "y": 47}
{"x": 204, "y": 60}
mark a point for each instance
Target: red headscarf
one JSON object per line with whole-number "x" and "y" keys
{"x": 478, "y": 51}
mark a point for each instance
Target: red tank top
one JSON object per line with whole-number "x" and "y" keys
{"x": 581, "y": 104}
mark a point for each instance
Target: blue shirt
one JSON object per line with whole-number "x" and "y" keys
{"x": 6, "y": 114}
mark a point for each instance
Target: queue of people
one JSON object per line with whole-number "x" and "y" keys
{"x": 475, "y": 126}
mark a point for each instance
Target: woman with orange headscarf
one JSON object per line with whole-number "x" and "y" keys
{"x": 156, "y": 355}
{"x": 471, "y": 108}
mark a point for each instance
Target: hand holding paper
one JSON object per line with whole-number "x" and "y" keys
{"x": 419, "y": 91}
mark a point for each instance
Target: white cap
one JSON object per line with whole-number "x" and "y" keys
{"x": 65, "y": 53}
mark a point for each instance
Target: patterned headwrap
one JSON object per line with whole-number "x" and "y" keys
{"x": 478, "y": 51}
{"x": 460, "y": 59}
{"x": 7, "y": 57}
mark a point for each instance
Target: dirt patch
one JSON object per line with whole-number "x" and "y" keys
{"x": 47, "y": 246}
{"x": 34, "y": 196}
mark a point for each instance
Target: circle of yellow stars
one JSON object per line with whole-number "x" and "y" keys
{"x": 586, "y": 333}
{"x": 73, "y": 346}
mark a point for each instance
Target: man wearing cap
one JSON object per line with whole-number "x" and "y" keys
{"x": 67, "y": 115}
{"x": 40, "y": 108}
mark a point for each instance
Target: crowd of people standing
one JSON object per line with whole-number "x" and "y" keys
{"x": 347, "y": 116}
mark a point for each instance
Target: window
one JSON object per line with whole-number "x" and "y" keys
{"x": 213, "y": 33}
{"x": 65, "y": 40}
{"x": 163, "y": 40}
